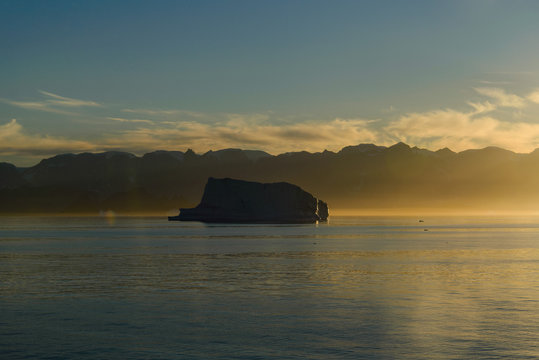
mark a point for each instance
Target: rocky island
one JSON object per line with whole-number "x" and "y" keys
{"x": 237, "y": 201}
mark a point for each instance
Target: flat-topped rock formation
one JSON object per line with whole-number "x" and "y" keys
{"x": 237, "y": 201}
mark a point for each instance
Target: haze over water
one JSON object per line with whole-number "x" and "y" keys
{"x": 357, "y": 287}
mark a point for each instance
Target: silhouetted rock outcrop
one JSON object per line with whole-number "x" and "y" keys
{"x": 238, "y": 201}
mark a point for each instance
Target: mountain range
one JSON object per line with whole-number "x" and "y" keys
{"x": 361, "y": 177}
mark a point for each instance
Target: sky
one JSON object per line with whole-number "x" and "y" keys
{"x": 278, "y": 76}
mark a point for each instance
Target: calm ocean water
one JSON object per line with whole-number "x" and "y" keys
{"x": 356, "y": 288}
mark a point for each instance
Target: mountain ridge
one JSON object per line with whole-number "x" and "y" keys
{"x": 361, "y": 176}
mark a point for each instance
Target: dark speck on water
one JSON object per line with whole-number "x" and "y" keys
{"x": 373, "y": 288}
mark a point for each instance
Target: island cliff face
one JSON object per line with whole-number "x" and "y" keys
{"x": 230, "y": 200}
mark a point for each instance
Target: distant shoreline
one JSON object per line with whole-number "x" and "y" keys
{"x": 379, "y": 212}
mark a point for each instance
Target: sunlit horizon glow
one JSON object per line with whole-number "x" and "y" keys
{"x": 277, "y": 77}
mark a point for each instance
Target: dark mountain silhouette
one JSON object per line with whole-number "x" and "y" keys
{"x": 365, "y": 176}
{"x": 10, "y": 176}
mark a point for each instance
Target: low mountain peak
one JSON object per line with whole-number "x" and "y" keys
{"x": 445, "y": 151}
{"x": 400, "y": 146}
{"x": 361, "y": 148}
{"x": 189, "y": 153}
{"x": 233, "y": 153}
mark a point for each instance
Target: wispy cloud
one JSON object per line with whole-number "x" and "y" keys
{"x": 177, "y": 116}
{"x": 65, "y": 101}
{"x": 534, "y": 96}
{"x": 501, "y": 97}
{"x": 36, "y": 105}
{"x": 482, "y": 107}
{"x": 139, "y": 121}
{"x": 165, "y": 112}
{"x": 14, "y": 140}
{"x": 52, "y": 103}
{"x": 311, "y": 136}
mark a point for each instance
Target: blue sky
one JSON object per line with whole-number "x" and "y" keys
{"x": 272, "y": 75}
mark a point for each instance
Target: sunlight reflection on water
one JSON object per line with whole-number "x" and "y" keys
{"x": 378, "y": 288}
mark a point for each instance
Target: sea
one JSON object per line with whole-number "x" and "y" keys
{"x": 110, "y": 287}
